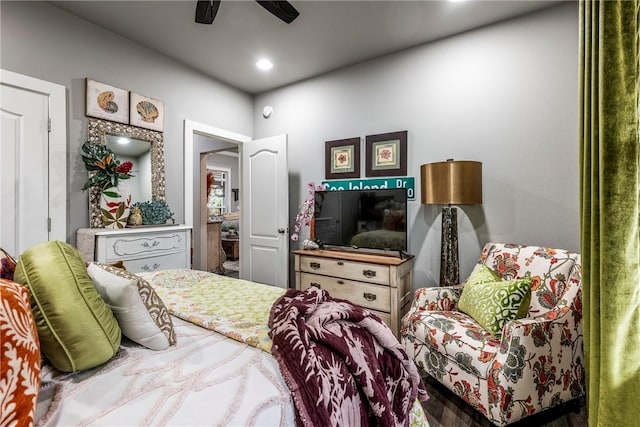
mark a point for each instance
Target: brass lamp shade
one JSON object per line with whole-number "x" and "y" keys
{"x": 452, "y": 182}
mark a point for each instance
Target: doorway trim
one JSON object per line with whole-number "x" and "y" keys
{"x": 57, "y": 166}
{"x": 190, "y": 129}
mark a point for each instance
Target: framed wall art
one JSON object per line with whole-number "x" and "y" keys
{"x": 146, "y": 112}
{"x": 342, "y": 158}
{"x": 106, "y": 102}
{"x": 386, "y": 154}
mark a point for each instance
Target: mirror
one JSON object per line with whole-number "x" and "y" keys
{"x": 137, "y": 152}
{"x": 146, "y": 151}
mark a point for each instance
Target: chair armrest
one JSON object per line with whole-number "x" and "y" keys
{"x": 566, "y": 314}
{"x": 546, "y": 348}
{"x": 440, "y": 298}
{"x": 538, "y": 332}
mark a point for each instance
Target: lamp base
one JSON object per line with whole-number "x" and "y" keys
{"x": 449, "y": 265}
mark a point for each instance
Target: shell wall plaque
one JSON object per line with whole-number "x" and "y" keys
{"x": 146, "y": 112}
{"x": 106, "y": 102}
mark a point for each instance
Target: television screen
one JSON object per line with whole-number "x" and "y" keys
{"x": 374, "y": 219}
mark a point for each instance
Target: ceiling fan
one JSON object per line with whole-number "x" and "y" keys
{"x": 206, "y": 10}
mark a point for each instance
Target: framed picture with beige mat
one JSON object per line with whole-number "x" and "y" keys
{"x": 106, "y": 102}
{"x": 146, "y": 112}
{"x": 342, "y": 158}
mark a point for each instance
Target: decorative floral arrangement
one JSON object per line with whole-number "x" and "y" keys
{"x": 154, "y": 211}
{"x": 104, "y": 168}
{"x": 305, "y": 210}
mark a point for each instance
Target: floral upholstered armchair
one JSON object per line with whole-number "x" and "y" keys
{"x": 533, "y": 362}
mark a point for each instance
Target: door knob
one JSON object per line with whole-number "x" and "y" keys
{"x": 282, "y": 230}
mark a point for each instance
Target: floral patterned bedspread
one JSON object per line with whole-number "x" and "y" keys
{"x": 236, "y": 308}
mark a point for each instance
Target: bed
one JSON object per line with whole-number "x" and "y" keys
{"x": 206, "y": 379}
{"x": 220, "y": 371}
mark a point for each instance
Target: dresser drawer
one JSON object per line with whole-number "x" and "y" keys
{"x": 155, "y": 263}
{"x": 375, "y": 297}
{"x": 371, "y": 273}
{"x": 381, "y": 284}
{"x": 385, "y": 317}
{"x": 129, "y": 247}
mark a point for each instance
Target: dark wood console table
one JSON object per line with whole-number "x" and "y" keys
{"x": 231, "y": 248}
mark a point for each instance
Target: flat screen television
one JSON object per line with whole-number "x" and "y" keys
{"x": 371, "y": 219}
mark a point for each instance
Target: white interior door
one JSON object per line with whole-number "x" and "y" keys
{"x": 264, "y": 209}
{"x": 23, "y": 169}
{"x": 33, "y": 162}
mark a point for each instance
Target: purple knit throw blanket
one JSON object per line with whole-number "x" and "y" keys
{"x": 343, "y": 365}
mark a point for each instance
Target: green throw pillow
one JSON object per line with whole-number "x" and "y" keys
{"x": 482, "y": 274}
{"x": 77, "y": 330}
{"x": 492, "y": 304}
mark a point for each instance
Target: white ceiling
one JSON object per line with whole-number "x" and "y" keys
{"x": 326, "y": 36}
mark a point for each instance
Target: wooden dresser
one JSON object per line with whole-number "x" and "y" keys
{"x": 142, "y": 248}
{"x": 382, "y": 284}
{"x": 215, "y": 255}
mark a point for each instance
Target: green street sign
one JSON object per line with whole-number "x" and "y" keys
{"x": 373, "y": 183}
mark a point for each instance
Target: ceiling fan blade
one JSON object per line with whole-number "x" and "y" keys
{"x": 206, "y": 10}
{"x": 282, "y": 9}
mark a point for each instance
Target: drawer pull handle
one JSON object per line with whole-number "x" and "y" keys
{"x": 147, "y": 268}
{"x": 153, "y": 245}
{"x": 340, "y": 282}
{"x": 340, "y": 263}
{"x": 316, "y": 285}
{"x": 315, "y": 265}
{"x": 369, "y": 273}
{"x": 369, "y": 296}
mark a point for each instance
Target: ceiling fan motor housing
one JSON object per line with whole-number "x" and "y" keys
{"x": 206, "y": 10}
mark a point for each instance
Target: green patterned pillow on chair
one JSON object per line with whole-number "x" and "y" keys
{"x": 492, "y": 304}
{"x": 482, "y": 274}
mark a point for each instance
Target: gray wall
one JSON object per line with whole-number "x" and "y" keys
{"x": 41, "y": 41}
{"x": 505, "y": 95}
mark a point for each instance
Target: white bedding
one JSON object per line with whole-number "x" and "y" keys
{"x": 207, "y": 379}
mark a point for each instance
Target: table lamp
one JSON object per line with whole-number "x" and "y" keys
{"x": 454, "y": 182}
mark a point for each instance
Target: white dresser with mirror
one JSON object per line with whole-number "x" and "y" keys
{"x": 142, "y": 248}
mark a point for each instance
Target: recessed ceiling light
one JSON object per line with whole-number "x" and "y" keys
{"x": 264, "y": 64}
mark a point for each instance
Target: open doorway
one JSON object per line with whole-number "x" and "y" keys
{"x": 263, "y": 196}
{"x": 223, "y": 204}
{"x": 200, "y": 140}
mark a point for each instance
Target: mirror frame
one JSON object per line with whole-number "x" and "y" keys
{"x": 97, "y": 130}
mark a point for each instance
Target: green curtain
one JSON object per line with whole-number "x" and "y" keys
{"x": 610, "y": 216}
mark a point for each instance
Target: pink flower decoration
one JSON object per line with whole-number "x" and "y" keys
{"x": 303, "y": 218}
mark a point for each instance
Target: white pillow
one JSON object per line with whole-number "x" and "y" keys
{"x": 140, "y": 312}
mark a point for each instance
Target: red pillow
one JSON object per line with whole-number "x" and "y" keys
{"x": 7, "y": 265}
{"x": 19, "y": 355}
